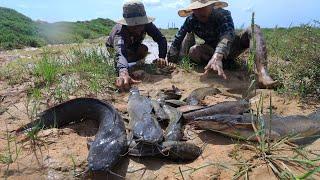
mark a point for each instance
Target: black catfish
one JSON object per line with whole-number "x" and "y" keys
{"x": 240, "y": 126}
{"x": 174, "y": 131}
{"x": 110, "y": 141}
{"x": 158, "y": 110}
{"x": 228, "y": 107}
{"x": 174, "y": 150}
{"x": 199, "y": 94}
{"x": 169, "y": 94}
{"x": 143, "y": 125}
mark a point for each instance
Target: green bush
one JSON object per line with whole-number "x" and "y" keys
{"x": 296, "y": 59}
{"x": 18, "y": 31}
{"x": 74, "y": 32}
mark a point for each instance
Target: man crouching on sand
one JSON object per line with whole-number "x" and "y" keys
{"x": 214, "y": 25}
{"x": 126, "y": 38}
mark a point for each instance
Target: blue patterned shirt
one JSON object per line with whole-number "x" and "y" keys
{"x": 120, "y": 39}
{"x": 218, "y": 32}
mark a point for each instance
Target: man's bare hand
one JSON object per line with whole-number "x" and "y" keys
{"x": 215, "y": 64}
{"x": 124, "y": 81}
{"x": 162, "y": 62}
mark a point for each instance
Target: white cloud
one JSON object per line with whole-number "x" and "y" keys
{"x": 173, "y": 4}
{"x": 176, "y": 5}
{"x": 23, "y": 6}
{"x": 152, "y": 3}
{"x": 249, "y": 8}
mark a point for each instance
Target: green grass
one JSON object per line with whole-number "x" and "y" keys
{"x": 186, "y": 64}
{"x": 94, "y": 66}
{"x": 295, "y": 59}
{"x": 57, "y": 76}
{"x": 252, "y": 51}
{"x": 88, "y": 70}
{"x": 47, "y": 69}
{"x": 268, "y": 152}
{"x": 169, "y": 33}
{"x": 15, "y": 72}
{"x": 11, "y": 152}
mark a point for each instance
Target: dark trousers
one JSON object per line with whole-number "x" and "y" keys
{"x": 201, "y": 54}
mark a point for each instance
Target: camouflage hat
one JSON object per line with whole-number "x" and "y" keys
{"x": 197, "y": 4}
{"x": 134, "y": 14}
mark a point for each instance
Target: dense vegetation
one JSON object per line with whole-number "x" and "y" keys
{"x": 17, "y": 30}
{"x": 295, "y": 59}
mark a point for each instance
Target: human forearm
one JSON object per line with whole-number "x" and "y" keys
{"x": 224, "y": 45}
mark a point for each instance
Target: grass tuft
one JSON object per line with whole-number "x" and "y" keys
{"x": 186, "y": 64}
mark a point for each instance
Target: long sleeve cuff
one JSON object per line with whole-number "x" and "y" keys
{"x": 223, "y": 47}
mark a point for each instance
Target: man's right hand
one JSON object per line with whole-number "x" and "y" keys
{"x": 215, "y": 64}
{"x": 124, "y": 81}
{"x": 161, "y": 63}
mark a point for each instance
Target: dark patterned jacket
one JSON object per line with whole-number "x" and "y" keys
{"x": 218, "y": 32}
{"x": 121, "y": 40}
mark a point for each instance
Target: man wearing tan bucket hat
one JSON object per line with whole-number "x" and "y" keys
{"x": 210, "y": 22}
{"x": 126, "y": 38}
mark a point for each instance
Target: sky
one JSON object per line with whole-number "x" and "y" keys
{"x": 269, "y": 13}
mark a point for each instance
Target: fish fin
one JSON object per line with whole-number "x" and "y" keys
{"x": 89, "y": 142}
{"x": 115, "y": 174}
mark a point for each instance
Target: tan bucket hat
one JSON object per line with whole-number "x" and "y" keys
{"x": 197, "y": 4}
{"x": 134, "y": 14}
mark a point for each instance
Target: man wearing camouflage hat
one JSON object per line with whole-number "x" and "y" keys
{"x": 214, "y": 25}
{"x": 126, "y": 38}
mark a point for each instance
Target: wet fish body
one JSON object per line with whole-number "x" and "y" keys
{"x": 170, "y": 94}
{"x": 174, "y": 150}
{"x": 144, "y": 127}
{"x": 189, "y": 108}
{"x": 137, "y": 149}
{"x": 315, "y": 115}
{"x": 228, "y": 107}
{"x": 174, "y": 130}
{"x": 199, "y": 94}
{"x": 181, "y": 151}
{"x": 240, "y": 126}
{"x": 158, "y": 110}
{"x": 111, "y": 139}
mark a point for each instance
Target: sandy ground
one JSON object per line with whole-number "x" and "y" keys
{"x": 61, "y": 153}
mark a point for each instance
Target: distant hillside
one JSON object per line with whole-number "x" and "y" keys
{"x": 68, "y": 32}
{"x": 17, "y": 30}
